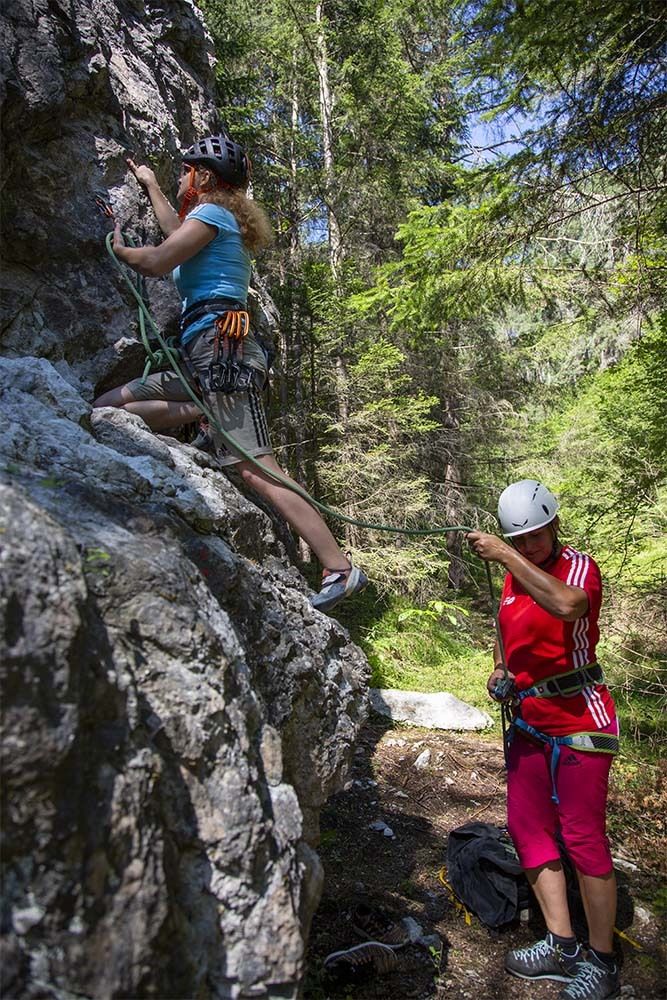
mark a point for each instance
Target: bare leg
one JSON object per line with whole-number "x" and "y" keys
{"x": 599, "y": 897}
{"x": 305, "y": 520}
{"x": 162, "y": 414}
{"x": 548, "y": 884}
{"x": 159, "y": 414}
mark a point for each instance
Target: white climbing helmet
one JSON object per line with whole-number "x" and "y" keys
{"x": 525, "y": 506}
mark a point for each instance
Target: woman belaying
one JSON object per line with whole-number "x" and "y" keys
{"x": 207, "y": 247}
{"x": 563, "y": 737}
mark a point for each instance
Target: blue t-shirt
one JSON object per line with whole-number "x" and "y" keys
{"x": 220, "y": 270}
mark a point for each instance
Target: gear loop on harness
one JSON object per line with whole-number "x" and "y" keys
{"x": 227, "y": 372}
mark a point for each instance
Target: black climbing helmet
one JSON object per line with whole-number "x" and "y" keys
{"x": 221, "y": 155}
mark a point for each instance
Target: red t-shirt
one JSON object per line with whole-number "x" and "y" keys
{"x": 538, "y": 645}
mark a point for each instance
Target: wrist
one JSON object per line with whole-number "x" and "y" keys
{"x": 510, "y": 557}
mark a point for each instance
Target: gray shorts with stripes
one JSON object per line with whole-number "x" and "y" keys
{"x": 240, "y": 414}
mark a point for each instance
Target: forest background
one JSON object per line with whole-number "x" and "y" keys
{"x": 458, "y": 312}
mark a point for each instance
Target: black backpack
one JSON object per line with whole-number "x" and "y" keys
{"x": 485, "y": 873}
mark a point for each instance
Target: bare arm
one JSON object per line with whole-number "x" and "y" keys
{"x": 166, "y": 215}
{"x": 154, "y": 262}
{"x": 556, "y": 597}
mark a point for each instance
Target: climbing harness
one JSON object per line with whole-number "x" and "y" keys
{"x": 203, "y": 307}
{"x": 228, "y": 372}
{"x": 565, "y": 685}
{"x": 594, "y": 742}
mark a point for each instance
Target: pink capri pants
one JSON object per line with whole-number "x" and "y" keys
{"x": 533, "y": 818}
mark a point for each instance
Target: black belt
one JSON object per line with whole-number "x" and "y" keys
{"x": 205, "y": 307}
{"x": 565, "y": 685}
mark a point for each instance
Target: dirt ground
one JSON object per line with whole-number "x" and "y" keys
{"x": 464, "y": 780}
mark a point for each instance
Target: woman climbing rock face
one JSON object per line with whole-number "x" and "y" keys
{"x": 207, "y": 249}
{"x": 563, "y": 734}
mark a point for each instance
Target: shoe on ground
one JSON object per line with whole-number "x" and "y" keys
{"x": 360, "y": 961}
{"x": 594, "y": 981}
{"x": 336, "y": 586}
{"x": 543, "y": 960}
{"x": 373, "y": 922}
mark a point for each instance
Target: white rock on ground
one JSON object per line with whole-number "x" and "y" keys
{"x": 432, "y": 711}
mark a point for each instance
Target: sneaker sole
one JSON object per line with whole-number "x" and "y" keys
{"x": 543, "y": 975}
{"x": 611, "y": 996}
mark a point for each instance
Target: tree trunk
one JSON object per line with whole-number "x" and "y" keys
{"x": 336, "y": 248}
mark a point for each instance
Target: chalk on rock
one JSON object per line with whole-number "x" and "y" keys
{"x": 432, "y": 711}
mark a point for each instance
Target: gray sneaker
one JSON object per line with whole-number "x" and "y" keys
{"x": 543, "y": 960}
{"x": 338, "y": 585}
{"x": 594, "y": 981}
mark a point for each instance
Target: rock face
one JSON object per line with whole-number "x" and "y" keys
{"x": 82, "y": 85}
{"x": 174, "y": 711}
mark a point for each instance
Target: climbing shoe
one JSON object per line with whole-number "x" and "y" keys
{"x": 337, "y": 585}
{"x": 595, "y": 980}
{"x": 204, "y": 440}
{"x": 544, "y": 960}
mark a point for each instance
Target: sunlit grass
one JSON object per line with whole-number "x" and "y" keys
{"x": 424, "y": 649}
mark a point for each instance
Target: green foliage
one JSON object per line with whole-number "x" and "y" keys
{"x": 604, "y": 450}
{"x": 434, "y": 612}
{"x": 428, "y": 649}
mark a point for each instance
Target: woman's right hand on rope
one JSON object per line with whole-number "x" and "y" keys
{"x": 497, "y": 677}
{"x": 487, "y": 547}
{"x": 144, "y": 175}
{"x": 118, "y": 242}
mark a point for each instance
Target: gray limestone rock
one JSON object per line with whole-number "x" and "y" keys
{"x": 175, "y": 714}
{"x": 174, "y": 711}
